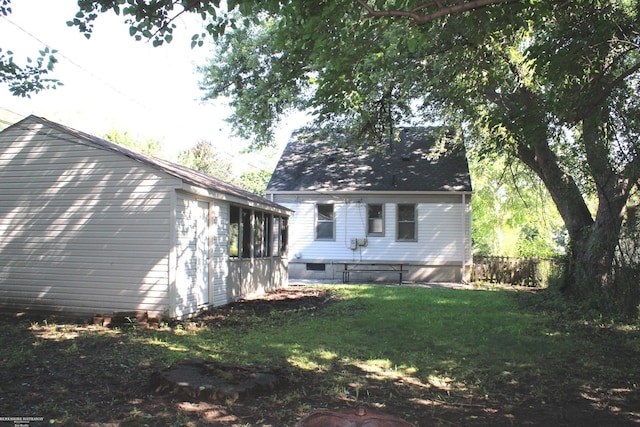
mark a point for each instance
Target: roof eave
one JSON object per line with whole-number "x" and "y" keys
{"x": 366, "y": 192}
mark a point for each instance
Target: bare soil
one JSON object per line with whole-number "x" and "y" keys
{"x": 85, "y": 383}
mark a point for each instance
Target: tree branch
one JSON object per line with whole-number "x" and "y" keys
{"x": 605, "y": 92}
{"x": 458, "y": 6}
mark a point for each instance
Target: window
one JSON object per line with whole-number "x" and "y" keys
{"x": 245, "y": 231}
{"x": 375, "y": 220}
{"x": 284, "y": 236}
{"x": 325, "y": 224}
{"x": 267, "y": 235}
{"x": 275, "y": 238}
{"x": 234, "y": 231}
{"x": 258, "y": 232}
{"x": 406, "y": 223}
{"x": 316, "y": 267}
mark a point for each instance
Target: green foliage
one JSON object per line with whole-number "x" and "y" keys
{"x": 24, "y": 80}
{"x": 204, "y": 158}
{"x": 255, "y": 181}
{"x": 30, "y": 78}
{"x": 513, "y": 214}
{"x": 150, "y": 147}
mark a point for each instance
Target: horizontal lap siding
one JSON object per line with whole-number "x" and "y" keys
{"x": 439, "y": 234}
{"x": 220, "y": 259}
{"x": 82, "y": 229}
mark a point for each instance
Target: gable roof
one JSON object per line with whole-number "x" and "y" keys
{"x": 188, "y": 175}
{"x": 338, "y": 165}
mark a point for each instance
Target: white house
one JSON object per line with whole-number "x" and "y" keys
{"x": 87, "y": 226}
{"x": 392, "y": 211}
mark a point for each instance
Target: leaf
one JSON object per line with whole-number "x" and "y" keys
{"x": 411, "y": 44}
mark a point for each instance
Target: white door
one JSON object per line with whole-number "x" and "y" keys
{"x": 192, "y": 255}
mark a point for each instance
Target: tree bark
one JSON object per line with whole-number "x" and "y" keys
{"x": 592, "y": 241}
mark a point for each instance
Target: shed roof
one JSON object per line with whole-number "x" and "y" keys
{"x": 188, "y": 175}
{"x": 337, "y": 164}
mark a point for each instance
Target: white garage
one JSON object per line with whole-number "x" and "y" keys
{"x": 87, "y": 226}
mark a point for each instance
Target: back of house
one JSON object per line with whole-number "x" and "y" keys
{"x": 403, "y": 205}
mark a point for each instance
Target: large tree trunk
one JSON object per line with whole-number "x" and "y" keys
{"x": 592, "y": 242}
{"x": 593, "y": 249}
{"x": 591, "y": 257}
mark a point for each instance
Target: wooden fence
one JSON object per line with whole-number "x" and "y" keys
{"x": 514, "y": 271}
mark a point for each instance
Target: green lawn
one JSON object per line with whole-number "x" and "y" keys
{"x": 482, "y": 356}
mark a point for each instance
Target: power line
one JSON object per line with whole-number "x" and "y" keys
{"x": 127, "y": 97}
{"x": 75, "y": 64}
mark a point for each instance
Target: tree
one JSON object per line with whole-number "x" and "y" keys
{"x": 204, "y": 158}
{"x": 554, "y": 85}
{"x": 255, "y": 181}
{"x": 513, "y": 214}
{"x": 30, "y": 78}
{"x": 151, "y": 147}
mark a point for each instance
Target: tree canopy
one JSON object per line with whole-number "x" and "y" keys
{"x": 204, "y": 157}
{"x": 151, "y": 147}
{"x": 513, "y": 214}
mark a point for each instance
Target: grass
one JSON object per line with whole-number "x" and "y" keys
{"x": 425, "y": 332}
{"x": 377, "y": 344}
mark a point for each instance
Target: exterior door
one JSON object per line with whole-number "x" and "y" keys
{"x": 192, "y": 255}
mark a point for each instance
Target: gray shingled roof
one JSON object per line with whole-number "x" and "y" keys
{"x": 338, "y": 165}
{"x": 188, "y": 175}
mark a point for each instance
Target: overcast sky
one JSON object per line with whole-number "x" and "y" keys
{"x": 112, "y": 82}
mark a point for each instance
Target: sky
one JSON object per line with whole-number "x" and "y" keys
{"x": 113, "y": 82}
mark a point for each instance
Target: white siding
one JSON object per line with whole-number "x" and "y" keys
{"x": 439, "y": 235}
{"x": 82, "y": 229}
{"x": 192, "y": 255}
{"x": 220, "y": 260}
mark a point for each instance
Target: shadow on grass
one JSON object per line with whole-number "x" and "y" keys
{"x": 431, "y": 357}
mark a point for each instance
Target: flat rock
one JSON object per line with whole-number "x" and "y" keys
{"x": 213, "y": 381}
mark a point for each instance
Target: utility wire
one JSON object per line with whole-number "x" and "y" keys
{"x": 128, "y": 97}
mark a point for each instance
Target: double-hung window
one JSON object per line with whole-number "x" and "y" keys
{"x": 406, "y": 229}
{"x": 325, "y": 222}
{"x": 375, "y": 220}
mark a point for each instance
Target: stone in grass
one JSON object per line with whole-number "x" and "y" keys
{"x": 212, "y": 381}
{"x": 358, "y": 417}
